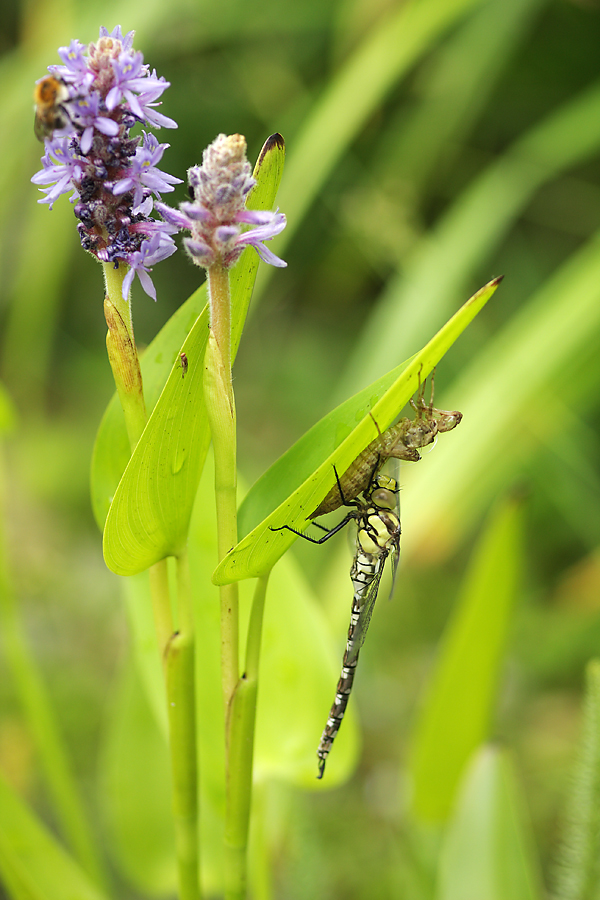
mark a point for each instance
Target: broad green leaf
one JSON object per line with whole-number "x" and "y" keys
{"x": 299, "y": 680}
{"x": 32, "y": 863}
{"x": 488, "y": 853}
{"x": 456, "y": 716}
{"x": 150, "y": 513}
{"x": 335, "y": 441}
{"x": 111, "y": 449}
{"x": 578, "y": 872}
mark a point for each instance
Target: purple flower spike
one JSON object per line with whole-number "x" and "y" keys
{"x": 101, "y": 92}
{"x": 217, "y": 215}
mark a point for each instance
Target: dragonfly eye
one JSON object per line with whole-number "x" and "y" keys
{"x": 383, "y": 498}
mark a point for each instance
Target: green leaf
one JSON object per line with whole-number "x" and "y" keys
{"x": 303, "y": 681}
{"x": 335, "y": 441}
{"x": 111, "y": 449}
{"x": 456, "y": 716}
{"x": 578, "y": 871}
{"x": 538, "y": 354}
{"x": 33, "y": 864}
{"x": 487, "y": 852}
{"x": 150, "y": 513}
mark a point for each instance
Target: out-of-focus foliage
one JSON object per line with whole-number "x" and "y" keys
{"x": 431, "y": 145}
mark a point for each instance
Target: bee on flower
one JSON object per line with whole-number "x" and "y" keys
{"x": 85, "y": 110}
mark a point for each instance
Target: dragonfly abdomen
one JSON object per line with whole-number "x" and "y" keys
{"x": 343, "y": 688}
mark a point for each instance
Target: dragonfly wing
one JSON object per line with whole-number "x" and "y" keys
{"x": 395, "y": 555}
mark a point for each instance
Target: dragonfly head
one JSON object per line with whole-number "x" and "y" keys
{"x": 383, "y": 492}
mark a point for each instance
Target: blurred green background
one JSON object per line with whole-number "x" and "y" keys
{"x": 432, "y": 145}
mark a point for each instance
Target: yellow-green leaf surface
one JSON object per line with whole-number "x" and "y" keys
{"x": 150, "y": 513}
{"x": 488, "y": 852}
{"x": 111, "y": 449}
{"x": 335, "y": 441}
{"x": 33, "y": 865}
{"x": 456, "y": 716}
{"x": 301, "y": 681}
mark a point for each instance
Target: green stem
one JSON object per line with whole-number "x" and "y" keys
{"x": 122, "y": 353}
{"x": 241, "y": 754}
{"x": 179, "y": 671}
{"x": 176, "y": 648}
{"x": 239, "y": 696}
{"x": 220, "y": 409}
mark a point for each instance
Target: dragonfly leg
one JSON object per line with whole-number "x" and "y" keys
{"x": 375, "y": 423}
{"x": 329, "y": 534}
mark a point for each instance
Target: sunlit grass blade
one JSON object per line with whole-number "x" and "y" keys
{"x": 33, "y": 865}
{"x": 260, "y": 549}
{"x": 419, "y": 297}
{"x": 385, "y": 55}
{"x": 455, "y": 93}
{"x": 458, "y": 709}
{"x": 37, "y": 709}
{"x": 536, "y": 353}
{"x": 150, "y": 513}
{"x": 488, "y": 852}
{"x": 578, "y": 866}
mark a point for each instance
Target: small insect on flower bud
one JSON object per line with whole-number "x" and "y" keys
{"x": 51, "y": 114}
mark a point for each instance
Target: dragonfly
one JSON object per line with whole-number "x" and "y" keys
{"x": 378, "y": 536}
{"x": 401, "y": 441}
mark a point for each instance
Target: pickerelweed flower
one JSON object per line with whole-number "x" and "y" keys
{"x": 102, "y": 91}
{"x": 217, "y": 214}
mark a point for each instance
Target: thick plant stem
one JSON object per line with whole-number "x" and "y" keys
{"x": 241, "y": 753}
{"x": 220, "y": 409}
{"x": 179, "y": 672}
{"x": 238, "y": 695}
{"x": 122, "y": 354}
{"x": 176, "y": 648}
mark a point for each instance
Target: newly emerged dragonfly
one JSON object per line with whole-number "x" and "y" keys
{"x": 400, "y": 441}
{"x": 378, "y": 536}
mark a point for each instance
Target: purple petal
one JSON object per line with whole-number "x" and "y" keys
{"x": 127, "y": 284}
{"x": 86, "y": 140}
{"x": 173, "y": 216}
{"x": 201, "y": 252}
{"x": 267, "y": 256}
{"x": 146, "y": 283}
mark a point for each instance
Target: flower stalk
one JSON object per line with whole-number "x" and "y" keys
{"x": 179, "y": 673}
{"x": 176, "y": 647}
{"x": 98, "y": 95}
{"x": 221, "y": 227}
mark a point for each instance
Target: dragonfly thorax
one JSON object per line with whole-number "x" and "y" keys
{"x": 379, "y": 529}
